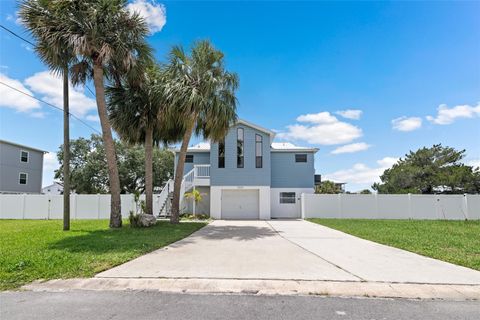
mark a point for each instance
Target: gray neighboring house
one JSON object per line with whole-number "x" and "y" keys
{"x": 21, "y": 168}
{"x": 248, "y": 176}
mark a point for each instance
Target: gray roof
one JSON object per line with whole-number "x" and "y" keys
{"x": 22, "y": 146}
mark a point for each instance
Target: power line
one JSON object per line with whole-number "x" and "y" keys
{"x": 16, "y": 35}
{"x": 33, "y": 45}
{"x": 51, "y": 105}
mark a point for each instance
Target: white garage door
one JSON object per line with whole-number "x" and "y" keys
{"x": 240, "y": 204}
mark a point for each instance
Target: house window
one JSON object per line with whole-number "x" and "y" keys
{"x": 258, "y": 151}
{"x": 24, "y": 156}
{"x": 287, "y": 197}
{"x": 301, "y": 157}
{"x": 22, "y": 178}
{"x": 189, "y": 158}
{"x": 240, "y": 145}
{"x": 221, "y": 154}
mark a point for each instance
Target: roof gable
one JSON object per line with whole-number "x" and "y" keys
{"x": 256, "y": 127}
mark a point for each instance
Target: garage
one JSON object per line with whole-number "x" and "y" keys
{"x": 240, "y": 204}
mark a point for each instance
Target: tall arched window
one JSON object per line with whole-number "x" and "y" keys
{"x": 221, "y": 154}
{"x": 240, "y": 146}
{"x": 258, "y": 151}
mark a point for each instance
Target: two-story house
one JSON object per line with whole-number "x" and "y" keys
{"x": 247, "y": 176}
{"x": 21, "y": 168}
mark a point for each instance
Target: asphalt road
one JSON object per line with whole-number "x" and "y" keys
{"x": 155, "y": 305}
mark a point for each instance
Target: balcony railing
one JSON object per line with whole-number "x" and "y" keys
{"x": 202, "y": 171}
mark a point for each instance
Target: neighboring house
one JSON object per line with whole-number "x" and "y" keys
{"x": 56, "y": 188}
{"x": 247, "y": 176}
{"x": 21, "y": 168}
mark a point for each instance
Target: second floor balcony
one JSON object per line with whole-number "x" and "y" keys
{"x": 199, "y": 175}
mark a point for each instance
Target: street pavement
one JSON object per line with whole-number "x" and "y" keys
{"x": 127, "y": 305}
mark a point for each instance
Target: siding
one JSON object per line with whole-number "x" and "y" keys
{"x": 286, "y": 173}
{"x": 198, "y": 158}
{"x": 248, "y": 175}
{"x": 203, "y": 207}
{"x": 11, "y": 166}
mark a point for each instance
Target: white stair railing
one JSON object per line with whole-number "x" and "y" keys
{"x": 164, "y": 194}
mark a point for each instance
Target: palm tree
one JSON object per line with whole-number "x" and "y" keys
{"x": 38, "y": 18}
{"x": 137, "y": 114}
{"x": 201, "y": 95}
{"x": 109, "y": 42}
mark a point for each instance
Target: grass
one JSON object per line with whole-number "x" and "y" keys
{"x": 457, "y": 242}
{"x": 39, "y": 249}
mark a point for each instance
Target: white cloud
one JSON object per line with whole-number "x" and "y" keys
{"x": 27, "y": 47}
{"x": 13, "y": 99}
{"x": 354, "y": 114}
{"x": 361, "y": 173}
{"x": 50, "y": 164}
{"x": 321, "y": 128}
{"x": 319, "y": 118}
{"x": 14, "y": 18}
{"x": 155, "y": 14}
{"x": 50, "y": 88}
{"x": 92, "y": 117}
{"x": 406, "y": 123}
{"x": 351, "y": 148}
{"x": 473, "y": 163}
{"x": 447, "y": 115}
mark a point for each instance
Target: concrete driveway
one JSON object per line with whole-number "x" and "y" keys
{"x": 287, "y": 250}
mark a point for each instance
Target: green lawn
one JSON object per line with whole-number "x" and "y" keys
{"x": 37, "y": 249}
{"x": 453, "y": 241}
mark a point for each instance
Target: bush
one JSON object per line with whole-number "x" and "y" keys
{"x": 189, "y": 216}
{"x": 134, "y": 220}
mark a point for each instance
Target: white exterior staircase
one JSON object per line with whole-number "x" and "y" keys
{"x": 198, "y": 176}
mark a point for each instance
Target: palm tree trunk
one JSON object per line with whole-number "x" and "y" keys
{"x": 66, "y": 153}
{"x": 177, "y": 182}
{"x": 149, "y": 170}
{"x": 114, "y": 180}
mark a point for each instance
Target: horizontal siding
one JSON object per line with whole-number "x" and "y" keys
{"x": 249, "y": 175}
{"x": 11, "y": 166}
{"x": 286, "y": 173}
{"x": 198, "y": 158}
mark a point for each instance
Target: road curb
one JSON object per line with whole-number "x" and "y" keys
{"x": 266, "y": 287}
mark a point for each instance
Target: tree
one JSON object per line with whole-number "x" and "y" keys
{"x": 89, "y": 173}
{"x": 328, "y": 187}
{"x": 365, "y": 191}
{"x": 39, "y": 18}
{"x": 137, "y": 112}
{"x": 430, "y": 170}
{"x": 196, "y": 196}
{"x": 108, "y": 41}
{"x": 201, "y": 97}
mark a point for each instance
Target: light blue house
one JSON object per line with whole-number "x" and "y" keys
{"x": 247, "y": 176}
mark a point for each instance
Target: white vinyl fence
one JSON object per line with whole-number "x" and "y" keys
{"x": 391, "y": 206}
{"x": 82, "y": 206}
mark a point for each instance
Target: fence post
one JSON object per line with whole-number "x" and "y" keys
{"x": 377, "y": 216}
{"x": 98, "y": 205}
{"x": 339, "y": 200}
{"x": 49, "y": 207}
{"x": 410, "y": 206}
{"x": 302, "y": 205}
{"x": 465, "y": 202}
{"x": 23, "y": 205}
{"x": 74, "y": 196}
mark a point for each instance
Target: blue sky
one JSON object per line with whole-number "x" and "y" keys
{"x": 410, "y": 71}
